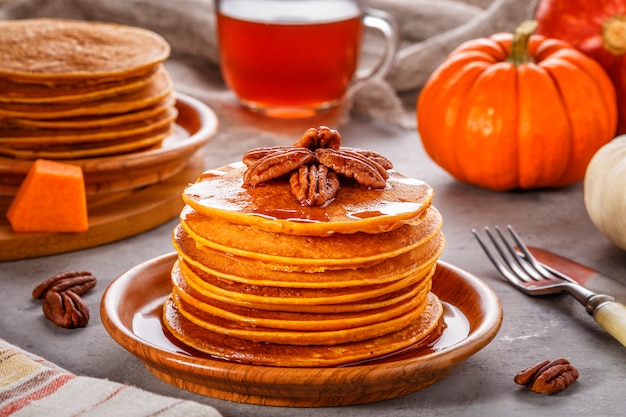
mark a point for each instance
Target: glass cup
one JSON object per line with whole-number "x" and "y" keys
{"x": 294, "y": 58}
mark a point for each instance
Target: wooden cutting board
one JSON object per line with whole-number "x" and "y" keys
{"x": 119, "y": 216}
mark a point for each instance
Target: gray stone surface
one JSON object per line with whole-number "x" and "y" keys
{"x": 532, "y": 329}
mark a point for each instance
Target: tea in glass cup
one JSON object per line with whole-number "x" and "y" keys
{"x": 293, "y": 58}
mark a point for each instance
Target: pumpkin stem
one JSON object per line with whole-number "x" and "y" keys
{"x": 614, "y": 34}
{"x": 519, "y": 49}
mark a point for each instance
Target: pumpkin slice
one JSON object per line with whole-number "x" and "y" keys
{"x": 51, "y": 199}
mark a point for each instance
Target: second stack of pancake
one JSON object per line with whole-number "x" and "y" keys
{"x": 74, "y": 89}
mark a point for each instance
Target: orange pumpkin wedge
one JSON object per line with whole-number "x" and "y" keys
{"x": 51, "y": 199}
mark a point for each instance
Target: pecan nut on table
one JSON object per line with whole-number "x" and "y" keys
{"x": 548, "y": 377}
{"x": 62, "y": 303}
{"x": 315, "y": 161}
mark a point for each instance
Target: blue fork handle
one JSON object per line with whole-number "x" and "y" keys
{"x": 610, "y": 315}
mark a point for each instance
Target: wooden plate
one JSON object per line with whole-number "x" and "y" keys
{"x": 196, "y": 124}
{"x": 131, "y": 311}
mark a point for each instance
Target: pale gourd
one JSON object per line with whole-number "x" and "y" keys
{"x": 605, "y": 190}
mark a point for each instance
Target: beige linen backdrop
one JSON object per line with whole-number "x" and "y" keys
{"x": 429, "y": 31}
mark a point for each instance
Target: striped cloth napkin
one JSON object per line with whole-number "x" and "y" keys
{"x": 32, "y": 386}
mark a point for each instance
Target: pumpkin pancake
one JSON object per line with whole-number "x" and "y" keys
{"x": 57, "y": 49}
{"x": 357, "y": 248}
{"x": 157, "y": 90}
{"x": 204, "y": 286}
{"x": 132, "y": 144}
{"x": 270, "y": 207}
{"x": 155, "y": 111}
{"x": 236, "y": 269}
{"x": 16, "y": 92}
{"x": 276, "y": 318}
{"x": 292, "y": 337}
{"x": 298, "y": 321}
{"x": 420, "y": 332}
{"x": 29, "y": 138}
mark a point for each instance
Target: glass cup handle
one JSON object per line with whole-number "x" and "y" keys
{"x": 385, "y": 23}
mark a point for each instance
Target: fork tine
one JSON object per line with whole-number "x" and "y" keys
{"x": 527, "y": 255}
{"x": 534, "y": 274}
{"x": 545, "y": 270}
{"x": 509, "y": 256}
{"x": 506, "y": 272}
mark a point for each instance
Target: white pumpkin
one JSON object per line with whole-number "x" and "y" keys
{"x": 605, "y": 190}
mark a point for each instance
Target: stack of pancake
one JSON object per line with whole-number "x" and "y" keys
{"x": 74, "y": 89}
{"x": 261, "y": 279}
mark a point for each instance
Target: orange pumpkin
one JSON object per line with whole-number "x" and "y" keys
{"x": 596, "y": 28}
{"x": 516, "y": 111}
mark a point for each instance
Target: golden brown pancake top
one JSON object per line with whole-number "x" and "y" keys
{"x": 68, "y": 49}
{"x": 220, "y": 193}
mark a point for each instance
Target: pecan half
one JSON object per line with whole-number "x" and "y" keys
{"x": 354, "y": 165}
{"x": 374, "y": 156}
{"x": 61, "y": 293}
{"x": 319, "y": 138}
{"x": 276, "y": 164}
{"x": 548, "y": 377}
{"x": 254, "y": 155}
{"x": 66, "y": 309}
{"x": 310, "y": 183}
{"x": 314, "y": 185}
{"x": 77, "y": 281}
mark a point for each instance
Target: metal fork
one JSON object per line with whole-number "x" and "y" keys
{"x": 526, "y": 273}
